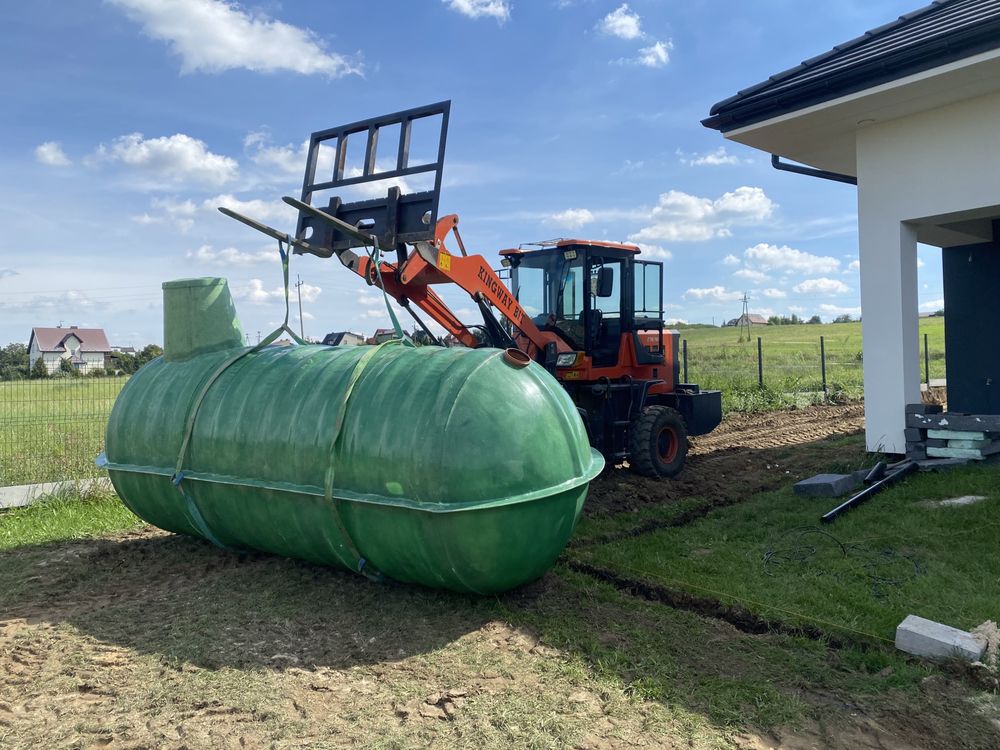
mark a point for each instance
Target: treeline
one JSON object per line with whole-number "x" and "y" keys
{"x": 14, "y": 364}
{"x": 794, "y": 320}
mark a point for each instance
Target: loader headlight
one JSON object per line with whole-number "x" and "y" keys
{"x": 567, "y": 359}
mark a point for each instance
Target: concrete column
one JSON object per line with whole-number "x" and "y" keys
{"x": 888, "y": 250}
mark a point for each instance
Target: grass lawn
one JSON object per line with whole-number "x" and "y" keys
{"x": 857, "y": 578}
{"x": 52, "y": 430}
{"x": 161, "y": 640}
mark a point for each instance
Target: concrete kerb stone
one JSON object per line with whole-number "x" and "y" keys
{"x": 21, "y": 495}
{"x": 828, "y": 485}
{"x": 934, "y": 640}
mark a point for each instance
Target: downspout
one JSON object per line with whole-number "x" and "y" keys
{"x": 810, "y": 172}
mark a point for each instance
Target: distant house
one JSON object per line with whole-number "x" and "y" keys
{"x": 86, "y": 349}
{"x": 753, "y": 318}
{"x": 382, "y": 335}
{"x": 343, "y": 338}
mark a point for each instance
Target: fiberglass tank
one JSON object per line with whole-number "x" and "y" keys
{"x": 454, "y": 468}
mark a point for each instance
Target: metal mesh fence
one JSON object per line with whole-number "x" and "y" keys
{"x": 52, "y": 429}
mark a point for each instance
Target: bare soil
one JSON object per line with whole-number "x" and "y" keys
{"x": 746, "y": 454}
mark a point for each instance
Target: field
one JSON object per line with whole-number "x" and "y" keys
{"x": 791, "y": 362}
{"x": 660, "y": 627}
{"x": 52, "y": 430}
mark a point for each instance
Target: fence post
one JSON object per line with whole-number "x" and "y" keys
{"x": 685, "y": 344}
{"x": 927, "y": 364}
{"x": 760, "y": 363}
{"x": 822, "y": 361}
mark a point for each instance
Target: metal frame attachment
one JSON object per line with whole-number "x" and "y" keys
{"x": 395, "y": 219}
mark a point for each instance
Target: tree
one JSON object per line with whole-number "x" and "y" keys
{"x": 814, "y": 320}
{"x": 67, "y": 367}
{"x": 845, "y": 318}
{"x": 39, "y": 370}
{"x": 148, "y": 353}
{"x": 14, "y": 362}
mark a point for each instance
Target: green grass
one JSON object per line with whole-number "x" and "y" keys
{"x": 717, "y": 359}
{"x": 903, "y": 556}
{"x": 53, "y": 429}
{"x": 68, "y": 515}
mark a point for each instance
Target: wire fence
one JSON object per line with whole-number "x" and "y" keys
{"x": 52, "y": 429}
{"x": 764, "y": 373}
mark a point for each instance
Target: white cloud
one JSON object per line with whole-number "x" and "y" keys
{"x": 719, "y": 157}
{"x": 255, "y": 293}
{"x": 837, "y": 310}
{"x": 788, "y": 259}
{"x": 773, "y": 293}
{"x": 797, "y": 309}
{"x": 571, "y": 218}
{"x": 679, "y": 216}
{"x": 255, "y": 208}
{"x": 751, "y": 275}
{"x": 933, "y": 306}
{"x": 920, "y": 263}
{"x": 730, "y": 260}
{"x": 853, "y": 267}
{"x": 498, "y": 9}
{"x": 368, "y": 299}
{"x": 172, "y": 159}
{"x": 64, "y": 303}
{"x": 231, "y": 256}
{"x": 822, "y": 286}
{"x": 51, "y": 154}
{"x": 622, "y": 23}
{"x": 287, "y": 160}
{"x": 656, "y": 55}
{"x": 655, "y": 251}
{"x": 213, "y": 36}
{"x": 713, "y": 294}
{"x": 674, "y": 321}
{"x": 169, "y": 211}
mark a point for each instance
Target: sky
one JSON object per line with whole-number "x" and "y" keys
{"x": 126, "y": 122}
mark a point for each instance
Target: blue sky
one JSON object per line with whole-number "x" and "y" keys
{"x": 126, "y": 121}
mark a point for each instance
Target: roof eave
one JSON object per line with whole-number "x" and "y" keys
{"x": 740, "y": 111}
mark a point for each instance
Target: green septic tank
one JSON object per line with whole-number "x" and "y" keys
{"x": 453, "y": 468}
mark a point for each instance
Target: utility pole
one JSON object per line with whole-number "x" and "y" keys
{"x": 258, "y": 337}
{"x": 298, "y": 288}
{"x": 745, "y": 317}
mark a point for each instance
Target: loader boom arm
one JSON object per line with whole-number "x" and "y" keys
{"x": 432, "y": 263}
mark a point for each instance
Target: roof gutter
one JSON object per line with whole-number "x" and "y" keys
{"x": 823, "y": 174}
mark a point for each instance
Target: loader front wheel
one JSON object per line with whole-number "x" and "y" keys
{"x": 658, "y": 442}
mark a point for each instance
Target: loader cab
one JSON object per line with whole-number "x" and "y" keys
{"x": 590, "y": 294}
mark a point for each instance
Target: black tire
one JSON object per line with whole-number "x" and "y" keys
{"x": 658, "y": 443}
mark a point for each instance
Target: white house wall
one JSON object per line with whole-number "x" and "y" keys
{"x": 938, "y": 162}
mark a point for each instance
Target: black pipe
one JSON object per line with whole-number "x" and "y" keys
{"x": 905, "y": 469}
{"x": 783, "y": 166}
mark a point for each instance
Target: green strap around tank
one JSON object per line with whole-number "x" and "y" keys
{"x": 193, "y": 510}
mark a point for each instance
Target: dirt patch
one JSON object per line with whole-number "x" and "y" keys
{"x": 746, "y": 454}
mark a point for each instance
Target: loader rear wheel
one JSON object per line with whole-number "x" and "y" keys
{"x": 658, "y": 442}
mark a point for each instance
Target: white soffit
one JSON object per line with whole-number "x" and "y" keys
{"x": 822, "y": 135}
